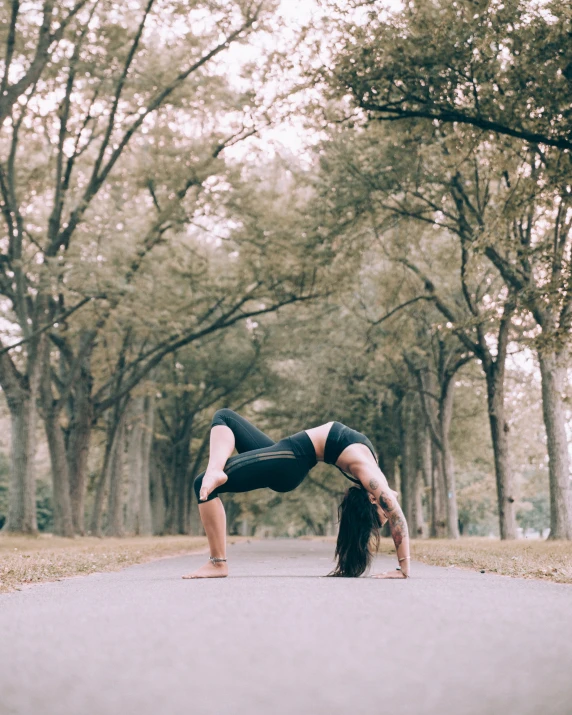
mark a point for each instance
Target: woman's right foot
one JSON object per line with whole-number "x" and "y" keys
{"x": 210, "y": 570}
{"x": 212, "y": 479}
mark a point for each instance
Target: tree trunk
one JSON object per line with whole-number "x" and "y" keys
{"x": 22, "y": 487}
{"x": 78, "y": 448}
{"x": 116, "y": 484}
{"x": 408, "y": 462}
{"x": 450, "y": 491}
{"x": 425, "y": 457}
{"x": 158, "y": 513}
{"x": 51, "y": 410}
{"x": 104, "y": 476}
{"x": 420, "y": 474}
{"x": 63, "y": 523}
{"x": 138, "y": 516}
{"x": 179, "y": 459}
{"x": 22, "y": 391}
{"x": 180, "y": 492}
{"x": 409, "y": 495}
{"x": 100, "y": 490}
{"x": 440, "y": 426}
{"x": 438, "y": 494}
{"x": 553, "y": 374}
{"x": 145, "y": 525}
{"x": 503, "y": 472}
{"x": 134, "y": 465}
{"x": 418, "y": 521}
{"x": 193, "y": 511}
{"x": 445, "y": 414}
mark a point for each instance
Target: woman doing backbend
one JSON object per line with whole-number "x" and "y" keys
{"x": 282, "y": 466}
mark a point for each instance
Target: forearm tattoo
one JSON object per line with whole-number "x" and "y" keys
{"x": 398, "y": 526}
{"x": 373, "y": 484}
{"x": 386, "y": 501}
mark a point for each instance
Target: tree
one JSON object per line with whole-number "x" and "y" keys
{"x": 435, "y": 385}
{"x": 501, "y": 68}
{"x": 22, "y": 34}
{"x": 102, "y": 108}
{"x": 404, "y": 186}
{"x": 225, "y": 371}
{"x": 502, "y": 71}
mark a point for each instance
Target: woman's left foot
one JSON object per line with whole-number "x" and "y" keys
{"x": 210, "y": 570}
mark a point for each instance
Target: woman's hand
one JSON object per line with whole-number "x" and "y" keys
{"x": 390, "y": 574}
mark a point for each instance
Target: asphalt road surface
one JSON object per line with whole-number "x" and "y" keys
{"x": 275, "y": 638}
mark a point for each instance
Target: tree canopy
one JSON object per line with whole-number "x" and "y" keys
{"x": 363, "y": 215}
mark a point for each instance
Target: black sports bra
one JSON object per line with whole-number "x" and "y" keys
{"x": 340, "y": 437}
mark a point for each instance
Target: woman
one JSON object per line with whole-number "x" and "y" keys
{"x": 282, "y": 466}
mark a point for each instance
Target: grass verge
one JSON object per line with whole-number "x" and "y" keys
{"x": 547, "y": 560}
{"x": 28, "y": 560}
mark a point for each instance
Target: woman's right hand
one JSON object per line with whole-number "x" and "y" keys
{"x": 390, "y": 574}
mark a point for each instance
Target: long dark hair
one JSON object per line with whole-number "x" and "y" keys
{"x": 358, "y": 535}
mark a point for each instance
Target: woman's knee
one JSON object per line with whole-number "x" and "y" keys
{"x": 223, "y": 417}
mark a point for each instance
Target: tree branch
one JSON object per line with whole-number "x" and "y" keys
{"x": 41, "y": 57}
{"x": 99, "y": 177}
{"x": 395, "y": 113}
{"x": 49, "y": 325}
{"x": 176, "y": 342}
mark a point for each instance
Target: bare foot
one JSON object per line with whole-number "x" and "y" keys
{"x": 210, "y": 570}
{"x": 213, "y": 479}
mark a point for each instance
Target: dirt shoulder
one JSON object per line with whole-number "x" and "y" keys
{"x": 547, "y": 560}
{"x": 30, "y": 560}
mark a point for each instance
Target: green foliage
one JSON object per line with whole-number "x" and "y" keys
{"x": 347, "y": 283}
{"x": 501, "y": 67}
{"x": 535, "y": 513}
{"x": 44, "y": 501}
{"x": 44, "y": 506}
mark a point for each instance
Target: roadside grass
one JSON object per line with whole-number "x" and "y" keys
{"x": 547, "y": 560}
{"x": 28, "y": 560}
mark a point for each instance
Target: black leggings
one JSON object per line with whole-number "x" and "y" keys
{"x": 261, "y": 462}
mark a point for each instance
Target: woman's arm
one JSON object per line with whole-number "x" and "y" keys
{"x": 373, "y": 479}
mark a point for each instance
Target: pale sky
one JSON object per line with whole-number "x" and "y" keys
{"x": 289, "y": 134}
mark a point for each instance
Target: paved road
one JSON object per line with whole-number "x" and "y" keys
{"x": 276, "y": 639}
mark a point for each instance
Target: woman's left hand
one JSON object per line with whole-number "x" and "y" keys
{"x": 390, "y": 574}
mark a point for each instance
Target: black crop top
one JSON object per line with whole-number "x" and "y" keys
{"x": 340, "y": 437}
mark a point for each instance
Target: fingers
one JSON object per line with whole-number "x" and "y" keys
{"x": 389, "y": 574}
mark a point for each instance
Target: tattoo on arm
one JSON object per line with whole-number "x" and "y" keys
{"x": 398, "y": 527}
{"x": 373, "y": 484}
{"x": 386, "y": 502}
